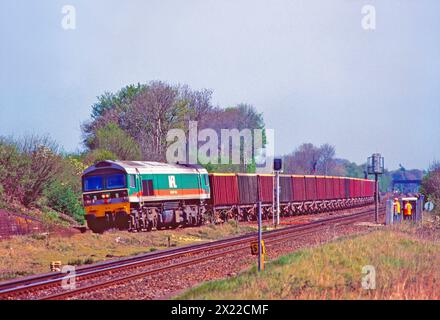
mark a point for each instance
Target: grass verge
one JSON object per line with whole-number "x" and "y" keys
{"x": 405, "y": 260}
{"x": 32, "y": 254}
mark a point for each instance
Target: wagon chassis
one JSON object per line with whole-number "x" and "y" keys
{"x": 248, "y": 212}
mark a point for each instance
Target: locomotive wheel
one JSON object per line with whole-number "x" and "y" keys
{"x": 97, "y": 225}
{"x": 154, "y": 222}
{"x": 121, "y": 221}
{"x": 150, "y": 226}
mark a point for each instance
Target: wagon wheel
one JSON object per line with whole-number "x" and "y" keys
{"x": 224, "y": 216}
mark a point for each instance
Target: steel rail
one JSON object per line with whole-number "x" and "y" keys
{"x": 97, "y": 286}
{"x": 47, "y": 280}
{"x": 139, "y": 258}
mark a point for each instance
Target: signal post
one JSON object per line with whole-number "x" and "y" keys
{"x": 277, "y": 168}
{"x": 375, "y": 165}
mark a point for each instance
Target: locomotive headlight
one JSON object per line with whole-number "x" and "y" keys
{"x": 124, "y": 195}
{"x": 87, "y": 200}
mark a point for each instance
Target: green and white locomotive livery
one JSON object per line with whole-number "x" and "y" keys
{"x": 140, "y": 195}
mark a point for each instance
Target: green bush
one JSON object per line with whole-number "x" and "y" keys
{"x": 27, "y": 166}
{"x": 49, "y": 216}
{"x": 62, "y": 198}
{"x": 436, "y": 202}
{"x": 79, "y": 261}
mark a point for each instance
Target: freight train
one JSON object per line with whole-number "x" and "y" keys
{"x": 142, "y": 196}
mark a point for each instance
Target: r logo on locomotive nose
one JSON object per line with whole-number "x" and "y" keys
{"x": 172, "y": 182}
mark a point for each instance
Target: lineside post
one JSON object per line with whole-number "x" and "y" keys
{"x": 376, "y": 203}
{"x": 277, "y": 173}
{"x": 277, "y": 167}
{"x": 260, "y": 240}
{"x": 273, "y": 200}
{"x": 389, "y": 218}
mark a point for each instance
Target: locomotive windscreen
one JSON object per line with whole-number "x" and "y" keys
{"x": 104, "y": 182}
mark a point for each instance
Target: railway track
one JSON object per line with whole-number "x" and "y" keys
{"x": 48, "y": 286}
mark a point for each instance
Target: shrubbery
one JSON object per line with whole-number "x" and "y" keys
{"x": 27, "y": 167}
{"x": 431, "y": 185}
{"x": 34, "y": 173}
{"x": 62, "y": 198}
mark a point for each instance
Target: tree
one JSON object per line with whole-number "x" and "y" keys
{"x": 304, "y": 160}
{"x": 245, "y": 119}
{"x": 118, "y": 142}
{"x": 12, "y": 168}
{"x": 354, "y": 170}
{"x": 147, "y": 112}
{"x": 119, "y": 101}
{"x": 198, "y": 102}
{"x": 28, "y": 166}
{"x": 97, "y": 155}
{"x": 110, "y": 107}
{"x": 431, "y": 184}
{"x": 326, "y": 161}
{"x": 153, "y": 112}
{"x": 43, "y": 165}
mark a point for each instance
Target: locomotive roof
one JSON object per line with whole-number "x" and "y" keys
{"x": 145, "y": 167}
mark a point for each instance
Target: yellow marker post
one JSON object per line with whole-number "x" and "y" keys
{"x": 55, "y": 266}
{"x": 255, "y": 251}
{"x": 263, "y": 253}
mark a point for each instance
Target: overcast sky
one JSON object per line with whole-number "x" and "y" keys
{"x": 309, "y": 66}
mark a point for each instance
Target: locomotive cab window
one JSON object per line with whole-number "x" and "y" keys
{"x": 147, "y": 188}
{"x": 116, "y": 181}
{"x": 93, "y": 183}
{"x": 132, "y": 181}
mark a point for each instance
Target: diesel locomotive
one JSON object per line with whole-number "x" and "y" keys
{"x": 141, "y": 196}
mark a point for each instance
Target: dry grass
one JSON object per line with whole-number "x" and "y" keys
{"x": 406, "y": 260}
{"x": 31, "y": 254}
